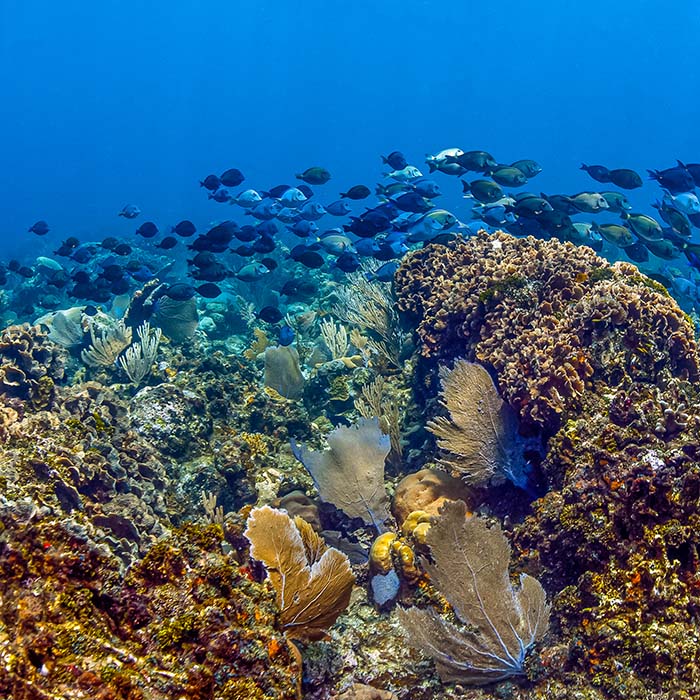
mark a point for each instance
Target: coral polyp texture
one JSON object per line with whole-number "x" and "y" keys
{"x": 602, "y": 365}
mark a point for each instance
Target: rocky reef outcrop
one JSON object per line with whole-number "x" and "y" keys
{"x": 601, "y": 365}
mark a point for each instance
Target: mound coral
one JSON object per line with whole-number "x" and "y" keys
{"x": 548, "y": 317}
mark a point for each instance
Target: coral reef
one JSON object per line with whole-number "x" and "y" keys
{"x": 550, "y": 318}
{"x": 185, "y": 621}
{"x": 601, "y": 364}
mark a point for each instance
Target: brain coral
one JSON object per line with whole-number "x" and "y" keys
{"x": 602, "y": 362}
{"x": 548, "y": 317}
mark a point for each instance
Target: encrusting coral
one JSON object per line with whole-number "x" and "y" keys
{"x": 185, "y": 621}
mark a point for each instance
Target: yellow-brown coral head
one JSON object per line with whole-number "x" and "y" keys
{"x": 416, "y": 525}
{"x": 380, "y": 553}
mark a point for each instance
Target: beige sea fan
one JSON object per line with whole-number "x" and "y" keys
{"x": 350, "y": 474}
{"x": 469, "y": 566}
{"x": 313, "y": 582}
{"x": 480, "y": 436}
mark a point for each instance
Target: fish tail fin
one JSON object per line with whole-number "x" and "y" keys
{"x": 431, "y": 166}
{"x": 466, "y": 187}
{"x": 653, "y": 174}
{"x": 384, "y": 160}
{"x": 583, "y": 167}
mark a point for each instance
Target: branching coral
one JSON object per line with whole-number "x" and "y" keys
{"x": 106, "y": 346}
{"x": 138, "y": 358}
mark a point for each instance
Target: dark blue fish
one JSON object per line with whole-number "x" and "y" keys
{"x": 220, "y": 196}
{"x": 203, "y": 259}
{"x": 270, "y": 314}
{"x": 180, "y": 291}
{"x": 185, "y": 228}
{"x": 232, "y": 178}
{"x": 385, "y": 273}
{"x": 275, "y": 192}
{"x": 426, "y": 188}
{"x": 361, "y": 228}
{"x": 598, "y": 172}
{"x": 286, "y": 336}
{"x": 223, "y": 232}
{"x": 269, "y": 263}
{"x": 267, "y": 228}
{"x": 676, "y": 180}
{"x": 245, "y": 251}
{"x": 246, "y": 233}
{"x": 212, "y": 273}
{"x": 265, "y": 210}
{"x": 303, "y": 228}
{"x": 694, "y": 170}
{"x": 147, "y": 229}
{"x": 82, "y": 255}
{"x": 339, "y": 208}
{"x": 357, "y": 192}
{"x": 41, "y": 228}
{"x": 210, "y": 182}
{"x": 109, "y": 243}
{"x": 387, "y": 210}
{"x": 396, "y": 160}
{"x": 347, "y": 262}
{"x": 120, "y": 286}
{"x": 413, "y": 202}
{"x": 305, "y": 190}
{"x": 167, "y": 243}
{"x": 208, "y": 290}
{"x": 307, "y": 257}
{"x": 366, "y": 247}
{"x": 142, "y": 274}
{"x": 264, "y": 244}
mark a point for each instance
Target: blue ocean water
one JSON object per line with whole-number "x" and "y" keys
{"x": 116, "y": 102}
